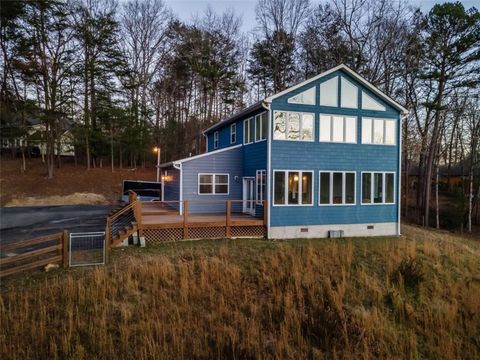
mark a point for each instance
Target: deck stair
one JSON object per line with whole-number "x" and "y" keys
{"x": 122, "y": 222}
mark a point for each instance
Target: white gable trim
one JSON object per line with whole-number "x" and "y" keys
{"x": 369, "y": 85}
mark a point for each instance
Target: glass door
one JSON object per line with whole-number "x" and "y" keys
{"x": 249, "y": 196}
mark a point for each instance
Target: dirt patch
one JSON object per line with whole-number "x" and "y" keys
{"x": 73, "y": 199}
{"x": 68, "y": 180}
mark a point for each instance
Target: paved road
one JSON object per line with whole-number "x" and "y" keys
{"x": 20, "y": 223}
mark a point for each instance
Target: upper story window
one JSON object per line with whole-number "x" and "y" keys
{"x": 213, "y": 184}
{"x": 378, "y": 131}
{"x": 215, "y": 140}
{"x": 248, "y": 131}
{"x": 349, "y": 94}
{"x": 293, "y": 187}
{"x": 329, "y": 92}
{"x": 369, "y": 103}
{"x": 336, "y": 188}
{"x": 306, "y": 97}
{"x": 261, "y": 126}
{"x": 233, "y": 133}
{"x": 378, "y": 188}
{"x": 294, "y": 126}
{"x": 338, "y": 128}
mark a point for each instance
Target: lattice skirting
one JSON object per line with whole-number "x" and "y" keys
{"x": 248, "y": 231}
{"x": 155, "y": 236}
{"x": 206, "y": 233}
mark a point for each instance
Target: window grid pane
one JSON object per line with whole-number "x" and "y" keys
{"x": 293, "y": 127}
{"x": 349, "y": 188}
{"x": 366, "y": 188}
{"x": 279, "y": 131}
{"x": 324, "y": 188}
{"x": 338, "y": 128}
{"x": 329, "y": 92}
{"x": 279, "y": 185}
{"x": 389, "y": 188}
{"x": 366, "y": 131}
{"x": 293, "y": 187}
{"x": 337, "y": 188}
{"x": 377, "y": 188}
{"x": 325, "y": 128}
{"x": 307, "y": 127}
{"x": 307, "y": 188}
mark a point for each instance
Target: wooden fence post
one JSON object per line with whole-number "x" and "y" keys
{"x": 65, "y": 241}
{"x": 228, "y": 233}
{"x": 185, "y": 219}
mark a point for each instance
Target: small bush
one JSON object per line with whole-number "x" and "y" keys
{"x": 410, "y": 271}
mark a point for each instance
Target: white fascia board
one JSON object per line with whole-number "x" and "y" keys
{"x": 353, "y": 74}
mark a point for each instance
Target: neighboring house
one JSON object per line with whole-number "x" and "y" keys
{"x": 35, "y": 137}
{"x": 324, "y": 154}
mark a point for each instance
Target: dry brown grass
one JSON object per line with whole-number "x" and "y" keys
{"x": 255, "y": 299}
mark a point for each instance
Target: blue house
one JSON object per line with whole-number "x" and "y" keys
{"x": 323, "y": 155}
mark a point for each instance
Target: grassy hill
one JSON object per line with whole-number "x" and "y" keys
{"x": 412, "y": 297}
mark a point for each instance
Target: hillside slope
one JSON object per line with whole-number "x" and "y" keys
{"x": 412, "y": 297}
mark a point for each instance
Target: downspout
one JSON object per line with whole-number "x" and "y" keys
{"x": 399, "y": 175}
{"x": 269, "y": 164}
{"x": 178, "y": 166}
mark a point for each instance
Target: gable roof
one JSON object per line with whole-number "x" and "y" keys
{"x": 262, "y": 104}
{"x": 356, "y": 76}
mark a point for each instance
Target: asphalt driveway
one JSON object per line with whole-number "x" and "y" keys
{"x": 20, "y": 223}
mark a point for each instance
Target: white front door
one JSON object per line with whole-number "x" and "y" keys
{"x": 249, "y": 195}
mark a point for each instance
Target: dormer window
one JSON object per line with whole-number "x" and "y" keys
{"x": 306, "y": 97}
{"x": 215, "y": 140}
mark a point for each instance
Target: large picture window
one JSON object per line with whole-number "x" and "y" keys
{"x": 293, "y": 187}
{"x": 248, "y": 131}
{"x": 261, "y": 126}
{"x": 337, "y": 188}
{"x": 337, "y": 128}
{"x": 349, "y": 94}
{"x": 261, "y": 186}
{"x": 213, "y": 184}
{"x": 378, "y": 131}
{"x": 378, "y": 188}
{"x": 329, "y": 92}
{"x": 294, "y": 126}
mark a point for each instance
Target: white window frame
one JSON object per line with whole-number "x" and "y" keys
{"x": 260, "y": 195}
{"x": 383, "y": 187}
{"x": 213, "y": 184}
{"x": 330, "y": 195}
{"x": 233, "y": 133}
{"x": 246, "y": 133}
{"x": 372, "y": 131}
{"x": 263, "y": 136}
{"x": 301, "y": 125}
{"x": 344, "y": 128}
{"x": 291, "y": 101}
{"x": 342, "y": 99}
{"x": 216, "y": 140}
{"x": 300, "y": 173}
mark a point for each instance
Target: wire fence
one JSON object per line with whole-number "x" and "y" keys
{"x": 87, "y": 249}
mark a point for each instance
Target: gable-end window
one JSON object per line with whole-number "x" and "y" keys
{"x": 248, "y": 131}
{"x": 213, "y": 184}
{"x": 261, "y": 176}
{"x": 338, "y": 128}
{"x": 336, "y": 188}
{"x": 349, "y": 94}
{"x": 292, "y": 187}
{"x": 233, "y": 133}
{"x": 378, "y": 188}
{"x": 261, "y": 126}
{"x": 369, "y": 103}
{"x": 378, "y": 131}
{"x": 329, "y": 92}
{"x": 215, "y": 140}
{"x": 294, "y": 126}
{"x": 306, "y": 97}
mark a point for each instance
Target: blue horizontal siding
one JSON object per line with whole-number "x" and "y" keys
{"x": 229, "y": 162}
{"x": 316, "y": 156}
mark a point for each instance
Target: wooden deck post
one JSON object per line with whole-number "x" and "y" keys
{"x": 185, "y": 219}
{"x": 228, "y": 233}
{"x": 65, "y": 242}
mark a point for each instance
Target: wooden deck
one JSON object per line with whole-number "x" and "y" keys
{"x": 156, "y": 215}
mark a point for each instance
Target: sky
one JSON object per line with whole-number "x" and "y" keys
{"x": 186, "y": 9}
